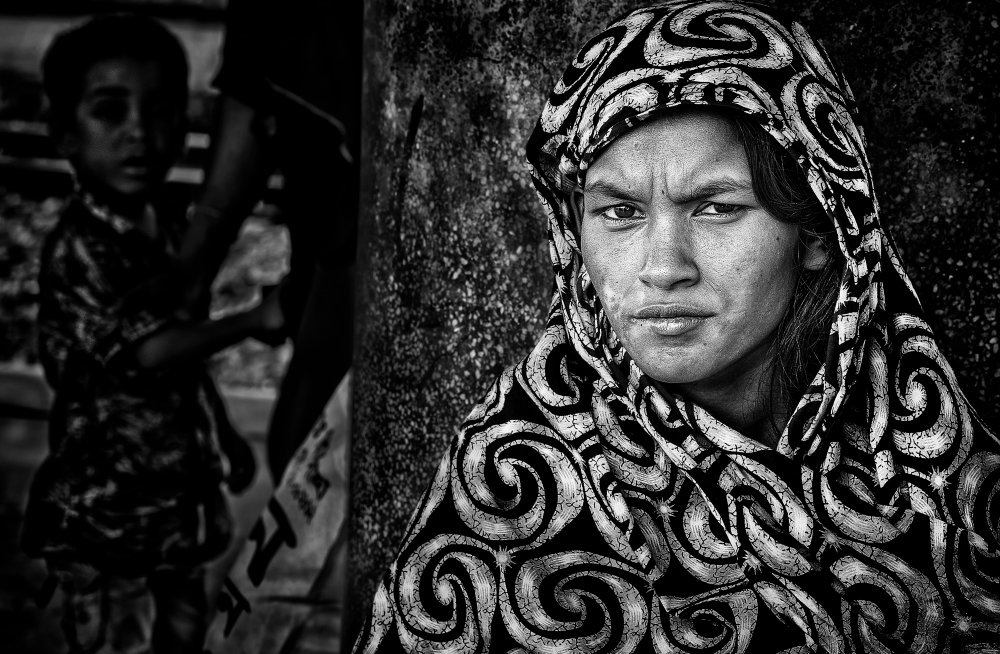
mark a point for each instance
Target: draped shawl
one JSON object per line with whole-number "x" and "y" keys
{"x": 584, "y": 508}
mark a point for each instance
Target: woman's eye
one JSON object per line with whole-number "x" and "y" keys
{"x": 718, "y": 209}
{"x": 620, "y": 212}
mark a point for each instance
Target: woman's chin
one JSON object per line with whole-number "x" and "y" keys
{"x": 681, "y": 370}
{"x": 673, "y": 360}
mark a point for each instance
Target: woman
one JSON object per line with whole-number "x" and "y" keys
{"x": 737, "y": 433}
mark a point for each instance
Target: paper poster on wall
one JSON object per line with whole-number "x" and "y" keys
{"x": 284, "y": 593}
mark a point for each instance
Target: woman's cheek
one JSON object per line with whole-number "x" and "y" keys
{"x": 610, "y": 296}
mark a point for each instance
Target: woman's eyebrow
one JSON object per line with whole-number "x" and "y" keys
{"x": 699, "y": 191}
{"x": 712, "y": 187}
{"x": 607, "y": 187}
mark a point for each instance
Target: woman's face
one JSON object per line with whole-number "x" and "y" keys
{"x": 693, "y": 273}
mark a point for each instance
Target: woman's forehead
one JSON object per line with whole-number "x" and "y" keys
{"x": 680, "y": 146}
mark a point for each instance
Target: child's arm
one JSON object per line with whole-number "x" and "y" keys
{"x": 189, "y": 342}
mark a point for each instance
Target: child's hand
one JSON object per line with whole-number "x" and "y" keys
{"x": 269, "y": 316}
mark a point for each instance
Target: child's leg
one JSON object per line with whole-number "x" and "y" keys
{"x": 85, "y": 607}
{"x": 181, "y": 611}
{"x": 101, "y": 613}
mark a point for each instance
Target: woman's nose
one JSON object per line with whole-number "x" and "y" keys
{"x": 670, "y": 259}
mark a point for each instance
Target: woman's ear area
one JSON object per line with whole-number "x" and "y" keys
{"x": 814, "y": 252}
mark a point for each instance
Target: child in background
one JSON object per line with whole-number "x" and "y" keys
{"x": 128, "y": 504}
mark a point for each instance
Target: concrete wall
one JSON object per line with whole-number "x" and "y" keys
{"x": 454, "y": 268}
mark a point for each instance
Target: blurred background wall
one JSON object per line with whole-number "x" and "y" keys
{"x": 455, "y": 274}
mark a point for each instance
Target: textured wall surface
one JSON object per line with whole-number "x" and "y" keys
{"x": 454, "y": 269}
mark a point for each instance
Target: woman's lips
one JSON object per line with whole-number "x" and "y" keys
{"x": 670, "y": 319}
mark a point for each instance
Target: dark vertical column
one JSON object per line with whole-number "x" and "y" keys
{"x": 454, "y": 273}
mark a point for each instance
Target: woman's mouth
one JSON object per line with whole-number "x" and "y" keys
{"x": 671, "y": 326}
{"x": 670, "y": 319}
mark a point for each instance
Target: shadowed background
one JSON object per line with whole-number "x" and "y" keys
{"x": 454, "y": 267}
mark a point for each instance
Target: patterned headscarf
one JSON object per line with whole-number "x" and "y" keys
{"x": 584, "y": 508}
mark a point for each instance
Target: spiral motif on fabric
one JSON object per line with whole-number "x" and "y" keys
{"x": 833, "y": 142}
{"x": 516, "y": 482}
{"x": 663, "y": 420}
{"x": 457, "y": 612}
{"x": 877, "y": 400}
{"x": 794, "y": 606}
{"x": 592, "y": 61}
{"x": 698, "y": 543}
{"x": 800, "y": 431}
{"x": 637, "y": 462}
{"x": 728, "y": 87}
{"x": 975, "y": 575}
{"x": 615, "y": 103}
{"x": 845, "y": 503}
{"x": 721, "y": 622}
{"x": 547, "y": 375}
{"x": 770, "y": 519}
{"x": 976, "y": 554}
{"x": 930, "y": 420}
{"x": 977, "y": 493}
{"x": 887, "y": 601}
{"x": 718, "y": 34}
{"x": 380, "y": 622}
{"x": 575, "y": 601}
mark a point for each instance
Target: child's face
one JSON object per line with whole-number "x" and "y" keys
{"x": 129, "y": 130}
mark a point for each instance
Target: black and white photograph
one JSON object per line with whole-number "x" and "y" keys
{"x": 497, "y": 326}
